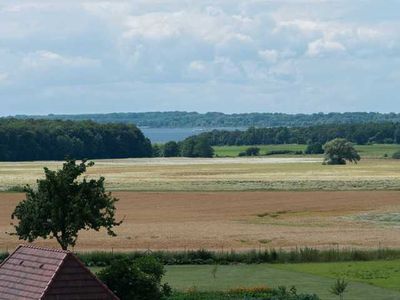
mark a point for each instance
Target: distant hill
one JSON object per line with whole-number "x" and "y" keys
{"x": 177, "y": 119}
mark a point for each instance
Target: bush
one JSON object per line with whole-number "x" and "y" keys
{"x": 282, "y": 152}
{"x": 202, "y": 257}
{"x": 396, "y": 155}
{"x": 139, "y": 279}
{"x": 314, "y": 148}
{"x": 281, "y": 293}
{"x": 252, "y": 151}
{"x": 171, "y": 149}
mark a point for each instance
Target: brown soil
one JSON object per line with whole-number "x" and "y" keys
{"x": 235, "y": 220}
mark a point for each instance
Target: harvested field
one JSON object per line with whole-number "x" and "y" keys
{"x": 222, "y": 174}
{"x": 231, "y": 220}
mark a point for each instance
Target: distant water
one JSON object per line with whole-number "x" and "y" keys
{"x": 162, "y": 135}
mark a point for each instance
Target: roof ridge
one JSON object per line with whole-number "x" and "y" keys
{"x": 44, "y": 248}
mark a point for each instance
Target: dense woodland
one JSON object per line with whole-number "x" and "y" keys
{"x": 28, "y": 139}
{"x": 54, "y": 140}
{"x": 380, "y": 133}
{"x": 178, "y": 119}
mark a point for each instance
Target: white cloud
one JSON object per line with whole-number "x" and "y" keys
{"x": 43, "y": 59}
{"x": 322, "y": 46}
{"x": 197, "y": 66}
{"x": 268, "y": 53}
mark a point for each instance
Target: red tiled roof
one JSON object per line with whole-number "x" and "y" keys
{"x": 40, "y": 273}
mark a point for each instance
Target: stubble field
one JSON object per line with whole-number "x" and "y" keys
{"x": 222, "y": 174}
{"x": 246, "y": 220}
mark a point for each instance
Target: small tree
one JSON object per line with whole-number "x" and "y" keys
{"x": 339, "y": 288}
{"x": 314, "y": 148}
{"x": 61, "y": 206}
{"x": 338, "y": 151}
{"x": 136, "y": 280}
{"x": 252, "y": 151}
{"x": 202, "y": 148}
{"x": 171, "y": 149}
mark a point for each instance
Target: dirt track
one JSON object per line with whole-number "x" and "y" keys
{"x": 240, "y": 220}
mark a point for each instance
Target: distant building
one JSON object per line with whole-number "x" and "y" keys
{"x": 47, "y": 274}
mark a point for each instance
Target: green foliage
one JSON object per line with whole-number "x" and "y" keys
{"x": 283, "y": 152}
{"x": 175, "y": 119}
{"x": 61, "y": 206}
{"x": 339, "y": 288}
{"x": 363, "y": 133}
{"x": 396, "y": 155}
{"x": 16, "y": 189}
{"x": 250, "y": 151}
{"x": 280, "y": 293}
{"x": 196, "y": 147}
{"x": 314, "y": 148}
{"x": 338, "y": 151}
{"x": 55, "y": 140}
{"x": 171, "y": 149}
{"x": 253, "y": 151}
{"x": 139, "y": 279}
{"x": 156, "y": 150}
{"x": 203, "y": 257}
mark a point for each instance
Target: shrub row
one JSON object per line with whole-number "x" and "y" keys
{"x": 281, "y": 293}
{"x": 201, "y": 257}
{"x": 204, "y": 257}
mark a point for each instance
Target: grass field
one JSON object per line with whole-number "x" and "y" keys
{"x": 223, "y": 174}
{"x": 200, "y": 277}
{"x": 385, "y": 274}
{"x": 241, "y": 221}
{"x": 366, "y": 151}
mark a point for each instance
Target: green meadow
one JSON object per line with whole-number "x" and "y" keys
{"x": 366, "y": 151}
{"x": 377, "y": 280}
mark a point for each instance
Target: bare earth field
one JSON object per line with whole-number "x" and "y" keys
{"x": 223, "y": 174}
{"x": 245, "y": 220}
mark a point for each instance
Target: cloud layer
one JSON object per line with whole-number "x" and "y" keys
{"x": 232, "y": 56}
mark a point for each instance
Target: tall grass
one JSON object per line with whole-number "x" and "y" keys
{"x": 201, "y": 257}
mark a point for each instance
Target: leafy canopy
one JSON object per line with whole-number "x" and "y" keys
{"x": 62, "y": 206}
{"x": 136, "y": 280}
{"x": 338, "y": 151}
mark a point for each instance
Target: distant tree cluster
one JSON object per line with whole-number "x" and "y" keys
{"x": 190, "y": 147}
{"x": 381, "y": 133}
{"x": 22, "y": 140}
{"x": 175, "y": 119}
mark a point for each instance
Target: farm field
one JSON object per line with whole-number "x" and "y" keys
{"x": 222, "y": 174}
{"x": 366, "y": 151}
{"x": 240, "y": 221}
{"x": 200, "y": 277}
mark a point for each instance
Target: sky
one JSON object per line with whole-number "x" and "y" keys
{"x": 299, "y": 56}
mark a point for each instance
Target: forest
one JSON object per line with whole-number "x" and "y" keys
{"x": 24, "y": 140}
{"x": 368, "y": 133}
{"x": 181, "y": 119}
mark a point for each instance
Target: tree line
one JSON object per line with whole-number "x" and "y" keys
{"x": 179, "y": 119}
{"x": 29, "y": 139}
{"x": 380, "y": 133}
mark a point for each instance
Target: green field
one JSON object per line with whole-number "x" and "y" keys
{"x": 385, "y": 274}
{"x": 366, "y": 151}
{"x": 368, "y": 280}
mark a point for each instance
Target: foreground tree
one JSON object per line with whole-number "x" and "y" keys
{"x": 62, "y": 206}
{"x": 338, "y": 151}
{"x": 136, "y": 280}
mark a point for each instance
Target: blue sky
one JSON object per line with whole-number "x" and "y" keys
{"x": 69, "y": 56}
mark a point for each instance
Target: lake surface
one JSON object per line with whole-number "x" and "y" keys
{"x": 162, "y": 135}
